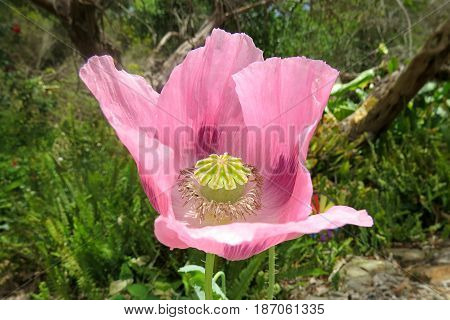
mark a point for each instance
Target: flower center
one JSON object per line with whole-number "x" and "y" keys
{"x": 222, "y": 178}
{"x": 220, "y": 189}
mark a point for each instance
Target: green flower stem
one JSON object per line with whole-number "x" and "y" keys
{"x": 271, "y": 273}
{"x": 209, "y": 269}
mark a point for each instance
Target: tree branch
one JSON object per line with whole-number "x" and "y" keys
{"x": 159, "y": 75}
{"x": 164, "y": 40}
{"x": 47, "y": 5}
{"x": 382, "y": 106}
{"x": 246, "y": 8}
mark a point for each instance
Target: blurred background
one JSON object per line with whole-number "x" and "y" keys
{"x": 75, "y": 223}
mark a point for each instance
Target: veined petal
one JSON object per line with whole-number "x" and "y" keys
{"x": 239, "y": 241}
{"x": 129, "y": 104}
{"x": 200, "y": 95}
{"x": 291, "y": 191}
{"x": 287, "y": 192}
{"x": 123, "y": 97}
{"x": 285, "y": 98}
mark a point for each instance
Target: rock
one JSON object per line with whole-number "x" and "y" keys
{"x": 363, "y": 278}
{"x": 442, "y": 256}
{"x": 374, "y": 266}
{"x": 359, "y": 266}
{"x": 408, "y": 255}
{"x": 425, "y": 274}
{"x": 437, "y": 275}
{"x": 352, "y": 271}
{"x": 358, "y": 273}
{"x": 322, "y": 290}
{"x": 440, "y": 275}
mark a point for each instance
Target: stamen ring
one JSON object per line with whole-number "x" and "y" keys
{"x": 247, "y": 205}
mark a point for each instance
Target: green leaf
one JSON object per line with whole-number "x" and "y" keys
{"x": 218, "y": 291}
{"x": 116, "y": 286}
{"x": 199, "y": 292}
{"x": 138, "y": 291}
{"x": 383, "y": 49}
{"x": 360, "y": 81}
{"x": 392, "y": 64}
{"x": 246, "y": 276}
{"x": 192, "y": 268}
{"x": 13, "y": 185}
{"x": 125, "y": 272}
{"x": 195, "y": 278}
{"x": 313, "y": 272}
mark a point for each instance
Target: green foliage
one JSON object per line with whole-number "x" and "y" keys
{"x": 401, "y": 178}
{"x": 245, "y": 276}
{"x": 143, "y": 23}
{"x": 346, "y": 34}
{"x": 31, "y": 103}
{"x": 193, "y": 278}
{"x": 71, "y": 202}
{"x": 340, "y": 105}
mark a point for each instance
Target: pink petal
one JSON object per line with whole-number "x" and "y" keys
{"x": 284, "y": 98}
{"x": 168, "y": 236}
{"x": 200, "y": 94}
{"x": 129, "y": 104}
{"x": 123, "y": 97}
{"x": 286, "y": 194}
{"x": 298, "y": 205}
{"x": 239, "y": 241}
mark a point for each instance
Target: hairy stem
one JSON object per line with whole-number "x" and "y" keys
{"x": 271, "y": 273}
{"x": 209, "y": 269}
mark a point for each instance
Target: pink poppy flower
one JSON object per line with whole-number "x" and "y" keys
{"x": 182, "y": 144}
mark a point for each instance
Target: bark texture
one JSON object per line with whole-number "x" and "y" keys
{"x": 379, "y": 110}
{"x": 81, "y": 19}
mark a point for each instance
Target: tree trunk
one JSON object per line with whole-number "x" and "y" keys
{"x": 381, "y": 107}
{"x": 81, "y": 20}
